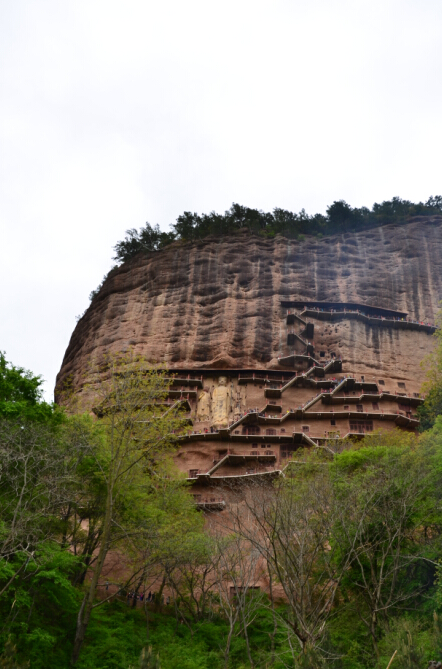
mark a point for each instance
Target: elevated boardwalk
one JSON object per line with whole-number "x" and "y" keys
{"x": 374, "y": 316}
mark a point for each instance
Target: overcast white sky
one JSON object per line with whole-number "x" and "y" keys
{"x": 114, "y": 113}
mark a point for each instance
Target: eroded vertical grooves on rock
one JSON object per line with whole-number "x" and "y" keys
{"x": 217, "y": 304}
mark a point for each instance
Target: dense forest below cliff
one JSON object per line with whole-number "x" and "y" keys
{"x": 340, "y": 217}
{"x": 352, "y": 536}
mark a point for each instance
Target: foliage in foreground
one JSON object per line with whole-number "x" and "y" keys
{"x": 21, "y": 395}
{"x": 117, "y": 637}
{"x": 352, "y": 538}
{"x": 432, "y": 363}
{"x": 382, "y": 496}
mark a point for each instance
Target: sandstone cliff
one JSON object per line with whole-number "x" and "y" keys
{"x": 217, "y": 303}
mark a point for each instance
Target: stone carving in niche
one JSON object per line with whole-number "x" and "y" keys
{"x": 238, "y": 403}
{"x": 221, "y": 403}
{"x": 203, "y": 411}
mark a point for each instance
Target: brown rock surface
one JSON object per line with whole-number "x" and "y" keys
{"x": 217, "y": 303}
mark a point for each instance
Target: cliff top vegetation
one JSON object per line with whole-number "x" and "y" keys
{"x": 340, "y": 217}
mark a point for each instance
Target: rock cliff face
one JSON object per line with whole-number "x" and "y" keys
{"x": 216, "y": 304}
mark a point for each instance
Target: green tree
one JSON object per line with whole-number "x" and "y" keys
{"x": 39, "y": 609}
{"x": 145, "y": 240}
{"x": 33, "y": 477}
{"x": 187, "y": 226}
{"x": 394, "y": 210}
{"x": 189, "y": 558}
{"x": 21, "y": 395}
{"x": 136, "y": 435}
{"x": 292, "y": 526}
{"x": 148, "y": 660}
{"x": 340, "y": 217}
{"x": 435, "y": 203}
{"x": 432, "y": 406}
{"x": 386, "y": 492}
{"x": 81, "y": 520}
{"x": 8, "y": 659}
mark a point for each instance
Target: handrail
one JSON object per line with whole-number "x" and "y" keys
{"x": 361, "y": 314}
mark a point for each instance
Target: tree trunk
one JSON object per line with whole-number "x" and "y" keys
{"x": 137, "y": 589}
{"x": 146, "y": 611}
{"x": 233, "y": 617}
{"x": 160, "y": 594}
{"x": 84, "y": 615}
{"x": 373, "y": 626}
{"x": 82, "y": 623}
{"x": 65, "y": 529}
{"x": 275, "y": 621}
{"x": 246, "y": 636}
{"x": 227, "y": 650}
{"x": 87, "y": 556}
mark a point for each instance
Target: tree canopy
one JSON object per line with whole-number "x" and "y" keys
{"x": 21, "y": 394}
{"x": 351, "y": 535}
{"x": 432, "y": 407}
{"x": 340, "y": 217}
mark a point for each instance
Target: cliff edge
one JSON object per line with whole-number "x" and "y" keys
{"x": 217, "y": 303}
